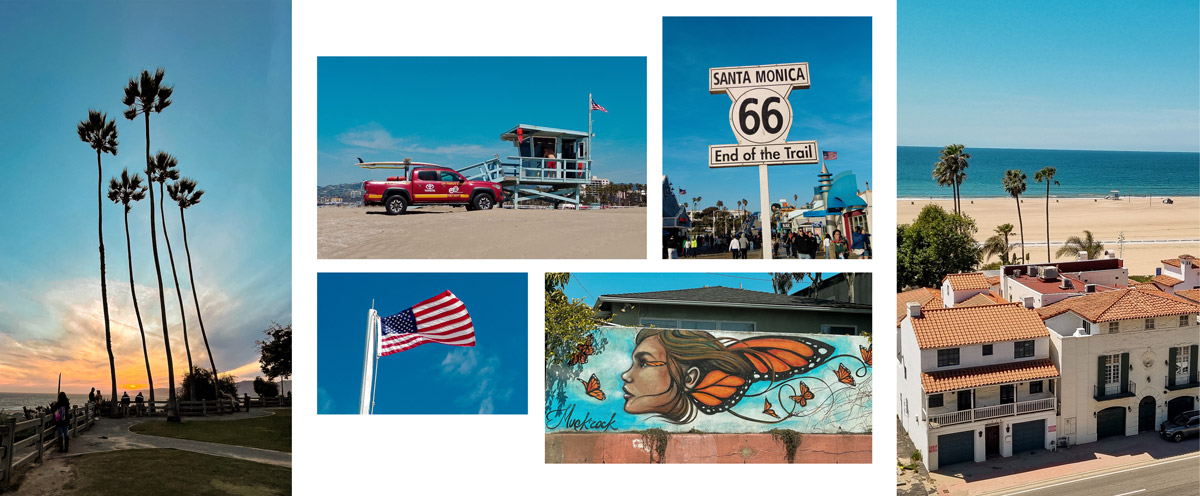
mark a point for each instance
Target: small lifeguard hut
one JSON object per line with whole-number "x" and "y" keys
{"x": 551, "y": 164}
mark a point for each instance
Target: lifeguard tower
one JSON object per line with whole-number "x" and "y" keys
{"x": 550, "y": 164}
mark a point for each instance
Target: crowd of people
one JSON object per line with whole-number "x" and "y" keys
{"x": 800, "y": 244}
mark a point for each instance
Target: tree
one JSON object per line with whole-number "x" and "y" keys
{"x": 185, "y": 194}
{"x": 569, "y": 322}
{"x": 998, "y": 244}
{"x": 276, "y": 352}
{"x": 1076, "y": 244}
{"x": 201, "y": 380}
{"x": 166, "y": 167}
{"x": 101, "y": 134}
{"x": 1047, "y": 174}
{"x": 265, "y": 388}
{"x": 935, "y": 244}
{"x": 782, "y": 282}
{"x": 126, "y": 191}
{"x": 144, "y": 96}
{"x": 1014, "y": 185}
{"x": 951, "y": 170}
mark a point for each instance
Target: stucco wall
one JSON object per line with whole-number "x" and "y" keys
{"x": 706, "y": 448}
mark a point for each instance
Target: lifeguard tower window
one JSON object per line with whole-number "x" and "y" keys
{"x": 427, "y": 175}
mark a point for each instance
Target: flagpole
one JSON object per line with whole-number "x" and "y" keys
{"x": 365, "y": 398}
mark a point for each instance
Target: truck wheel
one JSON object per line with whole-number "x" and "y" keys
{"x": 482, "y": 201}
{"x": 396, "y": 204}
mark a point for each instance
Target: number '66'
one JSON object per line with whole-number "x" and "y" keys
{"x": 749, "y": 120}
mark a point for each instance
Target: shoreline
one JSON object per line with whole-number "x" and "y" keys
{"x": 1054, "y": 197}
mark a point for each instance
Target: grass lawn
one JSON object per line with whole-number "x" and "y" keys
{"x": 273, "y": 432}
{"x": 168, "y": 471}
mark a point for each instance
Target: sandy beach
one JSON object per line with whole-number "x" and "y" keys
{"x": 446, "y": 232}
{"x": 1153, "y": 231}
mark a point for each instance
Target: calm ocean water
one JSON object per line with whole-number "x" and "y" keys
{"x": 1082, "y": 173}
{"x": 12, "y": 402}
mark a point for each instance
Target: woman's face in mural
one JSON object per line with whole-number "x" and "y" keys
{"x": 648, "y": 387}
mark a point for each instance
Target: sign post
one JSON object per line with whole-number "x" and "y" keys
{"x": 761, "y": 116}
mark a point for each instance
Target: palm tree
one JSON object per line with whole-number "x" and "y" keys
{"x": 143, "y": 96}
{"x": 998, "y": 244}
{"x": 721, "y": 207}
{"x": 1075, "y": 244}
{"x": 951, "y": 170}
{"x": 164, "y": 169}
{"x": 1014, "y": 185}
{"x": 1047, "y": 174}
{"x": 101, "y": 134}
{"x": 186, "y": 195}
{"x": 125, "y": 192}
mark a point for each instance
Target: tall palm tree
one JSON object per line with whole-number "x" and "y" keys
{"x": 951, "y": 170}
{"x": 126, "y": 191}
{"x": 998, "y": 244}
{"x": 146, "y": 95}
{"x": 101, "y": 134}
{"x": 721, "y": 208}
{"x": 186, "y": 195}
{"x": 1047, "y": 174}
{"x": 1076, "y": 244}
{"x": 168, "y": 168}
{"x": 1014, "y": 185}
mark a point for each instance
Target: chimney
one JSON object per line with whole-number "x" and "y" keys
{"x": 1089, "y": 288}
{"x": 1028, "y": 300}
{"x": 1082, "y": 255}
{"x": 914, "y": 309}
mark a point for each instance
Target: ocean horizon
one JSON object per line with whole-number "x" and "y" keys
{"x": 1081, "y": 173}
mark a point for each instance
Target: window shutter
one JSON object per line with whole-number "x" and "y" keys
{"x": 1172, "y": 357}
{"x": 1124, "y": 373}
{"x": 1100, "y": 375}
{"x": 1193, "y": 369}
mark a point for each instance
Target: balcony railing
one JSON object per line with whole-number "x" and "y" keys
{"x": 990, "y": 412}
{"x": 1098, "y": 392}
{"x": 1180, "y": 385}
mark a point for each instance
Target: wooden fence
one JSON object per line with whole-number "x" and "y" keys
{"x": 223, "y": 406}
{"x": 36, "y": 435}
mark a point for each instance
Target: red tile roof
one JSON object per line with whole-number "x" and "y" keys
{"x": 1190, "y": 294}
{"x": 927, "y": 297}
{"x": 950, "y": 380}
{"x": 967, "y": 280}
{"x": 1174, "y": 262}
{"x": 958, "y": 326}
{"x": 988, "y": 298}
{"x": 1166, "y": 280}
{"x": 993, "y": 280}
{"x": 1124, "y": 304}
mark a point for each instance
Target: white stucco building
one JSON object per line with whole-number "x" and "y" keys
{"x": 1178, "y": 274}
{"x": 1128, "y": 361}
{"x": 975, "y": 380}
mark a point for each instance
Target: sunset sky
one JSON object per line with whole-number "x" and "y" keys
{"x": 230, "y": 129}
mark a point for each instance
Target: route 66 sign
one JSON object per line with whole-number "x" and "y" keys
{"x": 760, "y": 115}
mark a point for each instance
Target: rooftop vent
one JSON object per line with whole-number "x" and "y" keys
{"x": 1089, "y": 288}
{"x": 1066, "y": 284}
{"x": 1047, "y": 272}
{"x": 1082, "y": 255}
{"x": 914, "y": 309}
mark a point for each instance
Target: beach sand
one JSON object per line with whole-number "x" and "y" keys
{"x": 446, "y": 232}
{"x": 1174, "y": 228}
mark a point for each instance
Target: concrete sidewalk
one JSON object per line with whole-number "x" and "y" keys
{"x": 999, "y": 474}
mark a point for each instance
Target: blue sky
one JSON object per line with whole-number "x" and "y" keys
{"x": 590, "y": 285}
{"x": 1079, "y": 75}
{"x": 492, "y": 377}
{"x": 229, "y": 126}
{"x": 835, "y": 111}
{"x": 451, "y": 110}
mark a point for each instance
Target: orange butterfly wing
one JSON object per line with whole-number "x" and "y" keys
{"x": 866, "y": 353}
{"x": 592, "y": 387}
{"x": 780, "y": 357}
{"x": 843, "y": 374}
{"x": 767, "y": 408}
{"x": 804, "y": 396}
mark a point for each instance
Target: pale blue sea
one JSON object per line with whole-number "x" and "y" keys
{"x": 12, "y": 402}
{"x": 1082, "y": 173}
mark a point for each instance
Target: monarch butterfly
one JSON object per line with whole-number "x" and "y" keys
{"x": 592, "y": 387}
{"x": 843, "y": 374}
{"x": 866, "y": 353}
{"x": 582, "y": 351}
{"x": 767, "y": 408}
{"x": 805, "y": 395}
{"x": 773, "y": 358}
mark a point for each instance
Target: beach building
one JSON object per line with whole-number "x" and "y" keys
{"x": 1128, "y": 358}
{"x": 1049, "y": 283}
{"x": 1177, "y": 274}
{"x": 835, "y": 205}
{"x": 975, "y": 381}
{"x": 713, "y": 308}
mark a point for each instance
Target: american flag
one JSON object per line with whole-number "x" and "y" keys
{"x": 441, "y": 319}
{"x": 829, "y": 155}
{"x": 682, "y": 191}
{"x": 596, "y": 106}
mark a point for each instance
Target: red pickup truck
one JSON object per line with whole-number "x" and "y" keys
{"x": 428, "y": 184}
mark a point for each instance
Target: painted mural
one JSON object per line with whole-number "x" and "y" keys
{"x": 626, "y": 379}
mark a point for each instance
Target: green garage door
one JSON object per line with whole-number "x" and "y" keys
{"x": 1110, "y": 422}
{"x": 1029, "y": 436}
{"x": 956, "y": 448}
